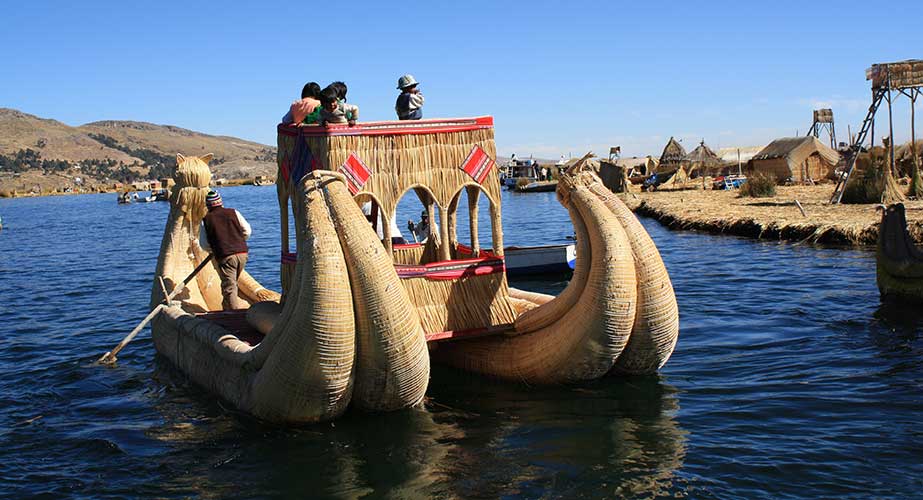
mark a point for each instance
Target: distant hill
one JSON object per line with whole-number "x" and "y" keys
{"x": 109, "y": 151}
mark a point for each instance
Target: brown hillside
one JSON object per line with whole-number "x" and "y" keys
{"x": 125, "y": 140}
{"x": 233, "y": 157}
{"x": 53, "y": 139}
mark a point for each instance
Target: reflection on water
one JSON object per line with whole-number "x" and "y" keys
{"x": 474, "y": 438}
{"x": 789, "y": 380}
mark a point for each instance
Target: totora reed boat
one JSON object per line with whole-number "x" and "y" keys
{"x": 899, "y": 261}
{"x": 359, "y": 318}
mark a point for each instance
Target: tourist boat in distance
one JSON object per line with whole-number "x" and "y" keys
{"x": 899, "y": 262}
{"x": 262, "y": 180}
{"x": 536, "y": 187}
{"x": 156, "y": 195}
{"x": 358, "y": 316}
{"x": 520, "y": 171}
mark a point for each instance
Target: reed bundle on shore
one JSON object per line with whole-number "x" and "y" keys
{"x": 777, "y": 217}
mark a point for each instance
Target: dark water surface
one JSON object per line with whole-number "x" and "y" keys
{"x": 790, "y": 380}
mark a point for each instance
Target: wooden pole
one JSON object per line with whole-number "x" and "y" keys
{"x": 445, "y": 251}
{"x": 109, "y": 357}
{"x": 473, "y": 196}
{"x": 890, "y": 133}
{"x": 913, "y": 131}
{"x": 738, "y": 162}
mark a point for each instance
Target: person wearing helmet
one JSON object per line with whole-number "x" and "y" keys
{"x": 409, "y": 104}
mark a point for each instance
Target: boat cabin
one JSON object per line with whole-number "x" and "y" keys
{"x": 446, "y": 163}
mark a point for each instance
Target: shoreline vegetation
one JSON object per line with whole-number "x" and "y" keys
{"x": 772, "y": 218}
{"x": 97, "y": 189}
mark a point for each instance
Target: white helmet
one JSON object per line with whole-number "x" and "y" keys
{"x": 406, "y": 81}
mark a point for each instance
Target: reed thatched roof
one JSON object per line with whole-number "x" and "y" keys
{"x": 904, "y": 152}
{"x": 673, "y": 153}
{"x": 703, "y": 155}
{"x": 796, "y": 149}
{"x": 729, "y": 155}
{"x": 897, "y": 75}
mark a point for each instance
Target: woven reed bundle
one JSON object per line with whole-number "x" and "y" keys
{"x": 302, "y": 371}
{"x": 461, "y": 304}
{"x": 554, "y": 309}
{"x": 392, "y": 361}
{"x": 179, "y": 249}
{"x": 585, "y": 341}
{"x": 307, "y": 360}
{"x": 656, "y": 327}
{"x": 899, "y": 262}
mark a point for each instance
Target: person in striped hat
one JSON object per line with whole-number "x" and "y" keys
{"x": 225, "y": 233}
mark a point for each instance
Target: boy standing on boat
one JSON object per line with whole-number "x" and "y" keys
{"x": 225, "y": 234}
{"x": 409, "y": 104}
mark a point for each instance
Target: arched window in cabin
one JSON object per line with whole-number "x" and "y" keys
{"x": 469, "y": 221}
{"x": 421, "y": 223}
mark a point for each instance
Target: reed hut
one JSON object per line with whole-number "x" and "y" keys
{"x": 799, "y": 159}
{"x": 702, "y": 161}
{"x": 671, "y": 158}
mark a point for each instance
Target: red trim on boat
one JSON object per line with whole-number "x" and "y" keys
{"x": 405, "y": 127}
{"x": 406, "y": 246}
{"x": 451, "y": 269}
{"x": 462, "y": 248}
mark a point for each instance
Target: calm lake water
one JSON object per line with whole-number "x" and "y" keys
{"x": 790, "y": 380}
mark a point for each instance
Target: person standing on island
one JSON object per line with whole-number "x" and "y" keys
{"x": 225, "y": 234}
{"x": 409, "y": 104}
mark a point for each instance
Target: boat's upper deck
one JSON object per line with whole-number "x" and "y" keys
{"x": 402, "y": 127}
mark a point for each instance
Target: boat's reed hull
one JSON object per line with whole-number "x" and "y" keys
{"x": 899, "y": 262}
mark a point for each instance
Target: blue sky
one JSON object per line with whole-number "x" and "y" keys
{"x": 559, "y": 77}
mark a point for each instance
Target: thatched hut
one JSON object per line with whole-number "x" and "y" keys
{"x": 702, "y": 161}
{"x": 672, "y": 157}
{"x": 801, "y": 159}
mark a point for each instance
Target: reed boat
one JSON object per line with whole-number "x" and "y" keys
{"x": 359, "y": 318}
{"x": 899, "y": 262}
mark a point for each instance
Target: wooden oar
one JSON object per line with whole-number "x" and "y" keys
{"x": 109, "y": 357}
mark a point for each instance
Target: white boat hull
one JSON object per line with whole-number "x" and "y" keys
{"x": 540, "y": 259}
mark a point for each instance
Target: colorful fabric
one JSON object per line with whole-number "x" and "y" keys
{"x": 213, "y": 199}
{"x": 356, "y": 173}
{"x": 302, "y": 161}
{"x": 477, "y": 164}
{"x": 452, "y": 269}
